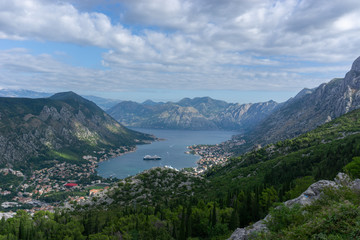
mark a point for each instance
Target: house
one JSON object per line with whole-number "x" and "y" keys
{"x": 70, "y": 185}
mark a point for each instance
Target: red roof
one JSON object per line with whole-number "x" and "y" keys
{"x": 71, "y": 184}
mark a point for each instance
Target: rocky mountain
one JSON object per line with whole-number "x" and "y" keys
{"x": 309, "y": 109}
{"x": 196, "y": 114}
{"x": 64, "y": 126}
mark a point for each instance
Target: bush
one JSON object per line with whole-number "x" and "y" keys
{"x": 353, "y": 168}
{"x": 283, "y": 216}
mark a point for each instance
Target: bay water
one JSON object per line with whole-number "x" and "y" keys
{"x": 171, "y": 150}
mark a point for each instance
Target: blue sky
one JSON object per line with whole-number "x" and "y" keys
{"x": 239, "y": 51}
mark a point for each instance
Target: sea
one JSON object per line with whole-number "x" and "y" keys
{"x": 171, "y": 150}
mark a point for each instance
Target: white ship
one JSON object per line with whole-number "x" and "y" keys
{"x": 155, "y": 157}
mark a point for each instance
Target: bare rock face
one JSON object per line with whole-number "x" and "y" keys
{"x": 311, "y": 194}
{"x": 356, "y": 65}
{"x": 245, "y": 233}
{"x": 309, "y": 109}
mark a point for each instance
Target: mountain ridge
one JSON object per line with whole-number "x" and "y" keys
{"x": 307, "y": 110}
{"x": 44, "y": 128}
{"x": 200, "y": 113}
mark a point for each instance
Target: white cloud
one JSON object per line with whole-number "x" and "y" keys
{"x": 42, "y": 20}
{"x": 244, "y": 44}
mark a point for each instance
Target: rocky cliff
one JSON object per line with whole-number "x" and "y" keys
{"x": 195, "y": 114}
{"x": 309, "y": 109}
{"x": 64, "y": 125}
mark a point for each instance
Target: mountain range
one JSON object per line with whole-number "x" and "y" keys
{"x": 201, "y": 113}
{"x": 63, "y": 126}
{"x": 308, "y": 109}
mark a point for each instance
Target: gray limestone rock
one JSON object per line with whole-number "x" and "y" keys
{"x": 356, "y": 65}
{"x": 312, "y": 193}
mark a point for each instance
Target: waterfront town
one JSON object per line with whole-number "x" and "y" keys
{"x": 50, "y": 187}
{"x": 45, "y": 188}
{"x": 212, "y": 154}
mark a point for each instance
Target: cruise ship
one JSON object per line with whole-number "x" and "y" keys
{"x": 155, "y": 157}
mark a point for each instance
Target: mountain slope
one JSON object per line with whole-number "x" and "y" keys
{"x": 320, "y": 153}
{"x": 309, "y": 109}
{"x": 64, "y": 126}
{"x": 195, "y": 114}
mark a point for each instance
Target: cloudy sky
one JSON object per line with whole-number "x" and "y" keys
{"x": 236, "y": 50}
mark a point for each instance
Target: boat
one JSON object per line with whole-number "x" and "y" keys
{"x": 155, "y": 157}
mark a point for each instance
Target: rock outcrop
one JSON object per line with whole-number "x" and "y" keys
{"x": 311, "y": 194}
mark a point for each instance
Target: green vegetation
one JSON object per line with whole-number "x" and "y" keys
{"x": 166, "y": 204}
{"x": 353, "y": 168}
{"x": 63, "y": 127}
{"x": 9, "y": 181}
{"x": 334, "y": 216}
{"x": 63, "y": 155}
{"x": 281, "y": 171}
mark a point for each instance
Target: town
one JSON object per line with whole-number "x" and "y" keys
{"x": 45, "y": 188}
{"x": 212, "y": 154}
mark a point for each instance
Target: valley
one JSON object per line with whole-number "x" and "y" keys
{"x": 179, "y": 120}
{"x": 172, "y": 149}
{"x": 52, "y": 148}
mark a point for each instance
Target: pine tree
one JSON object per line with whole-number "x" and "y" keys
{"x": 182, "y": 235}
{"x": 188, "y": 221}
{"x": 234, "y": 220}
{"x": 213, "y": 218}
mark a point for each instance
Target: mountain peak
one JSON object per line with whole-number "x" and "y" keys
{"x": 71, "y": 97}
{"x": 66, "y": 96}
{"x": 356, "y": 65}
{"x": 303, "y": 92}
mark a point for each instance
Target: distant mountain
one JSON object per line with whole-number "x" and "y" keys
{"x": 65, "y": 126}
{"x": 151, "y": 103}
{"x": 104, "y": 103}
{"x": 23, "y": 93}
{"x": 309, "y": 109}
{"x": 195, "y": 114}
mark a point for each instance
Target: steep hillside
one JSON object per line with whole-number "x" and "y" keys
{"x": 64, "y": 126}
{"x": 321, "y": 153}
{"x": 309, "y": 109}
{"x": 195, "y": 114}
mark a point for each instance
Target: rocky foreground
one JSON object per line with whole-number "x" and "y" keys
{"x": 313, "y": 193}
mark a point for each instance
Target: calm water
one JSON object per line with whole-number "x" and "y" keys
{"x": 171, "y": 150}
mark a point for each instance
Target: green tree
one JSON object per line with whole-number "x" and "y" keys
{"x": 353, "y": 168}
{"x": 268, "y": 197}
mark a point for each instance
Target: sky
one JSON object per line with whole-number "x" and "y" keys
{"x": 235, "y": 50}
